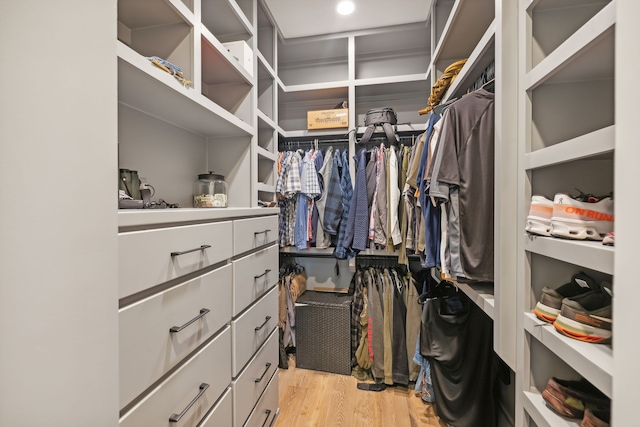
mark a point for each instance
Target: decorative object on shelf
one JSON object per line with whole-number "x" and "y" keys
{"x": 442, "y": 84}
{"x": 170, "y": 68}
{"x": 328, "y": 119}
{"x": 210, "y": 191}
{"x": 241, "y": 51}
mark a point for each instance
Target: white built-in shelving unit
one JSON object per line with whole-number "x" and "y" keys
{"x": 566, "y": 63}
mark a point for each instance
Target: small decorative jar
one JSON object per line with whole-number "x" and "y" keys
{"x": 210, "y": 191}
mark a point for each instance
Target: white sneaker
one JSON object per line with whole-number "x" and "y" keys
{"x": 539, "y": 218}
{"x": 574, "y": 219}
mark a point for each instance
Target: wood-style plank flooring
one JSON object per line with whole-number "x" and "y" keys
{"x": 319, "y": 399}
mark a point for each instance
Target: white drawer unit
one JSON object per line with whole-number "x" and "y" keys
{"x": 185, "y": 397}
{"x": 150, "y": 257}
{"x": 253, "y": 233}
{"x": 252, "y": 329}
{"x": 253, "y": 380}
{"x": 221, "y": 414}
{"x": 253, "y": 275}
{"x": 158, "y": 332}
{"x": 266, "y": 411}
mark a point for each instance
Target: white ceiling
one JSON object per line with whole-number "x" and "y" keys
{"x": 301, "y": 18}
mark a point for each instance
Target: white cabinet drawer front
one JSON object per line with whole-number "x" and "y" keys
{"x": 248, "y": 387}
{"x": 148, "y": 349}
{"x": 210, "y": 366}
{"x": 252, "y": 233}
{"x": 266, "y": 411}
{"x": 145, "y": 257}
{"x": 253, "y": 275}
{"x": 221, "y": 415}
{"x": 252, "y": 329}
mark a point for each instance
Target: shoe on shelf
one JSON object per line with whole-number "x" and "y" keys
{"x": 596, "y": 418}
{"x": 582, "y": 217}
{"x": 539, "y": 218}
{"x": 550, "y": 303}
{"x": 570, "y": 398}
{"x": 608, "y": 239}
{"x": 587, "y": 317}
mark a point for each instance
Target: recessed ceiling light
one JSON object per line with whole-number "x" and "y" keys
{"x": 345, "y": 7}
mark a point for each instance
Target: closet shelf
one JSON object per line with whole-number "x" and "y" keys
{"x": 144, "y": 87}
{"x": 135, "y": 13}
{"x": 600, "y": 65}
{"x": 263, "y": 153}
{"x": 538, "y": 410}
{"x": 263, "y": 61}
{"x": 593, "y": 361}
{"x": 226, "y": 18}
{"x": 588, "y": 254}
{"x": 592, "y": 144}
{"x": 421, "y": 77}
{"x": 266, "y": 188}
{"x": 481, "y": 294}
{"x": 472, "y": 15}
{"x": 219, "y": 66}
{"x": 478, "y": 61}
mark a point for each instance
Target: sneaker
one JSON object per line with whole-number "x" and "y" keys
{"x": 550, "y": 303}
{"x": 539, "y": 218}
{"x": 596, "y": 418}
{"x": 584, "y": 217}
{"x": 570, "y": 398}
{"x": 587, "y": 317}
{"x": 608, "y": 239}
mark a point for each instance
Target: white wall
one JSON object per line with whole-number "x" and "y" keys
{"x": 58, "y": 221}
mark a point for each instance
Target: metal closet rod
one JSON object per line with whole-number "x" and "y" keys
{"x": 345, "y": 140}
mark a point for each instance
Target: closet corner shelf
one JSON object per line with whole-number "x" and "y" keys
{"x": 481, "y": 294}
{"x": 263, "y": 61}
{"x": 263, "y": 153}
{"x": 588, "y": 254}
{"x": 266, "y": 188}
{"x": 593, "y": 361}
{"x": 537, "y": 409}
{"x": 589, "y": 145}
{"x": 223, "y": 69}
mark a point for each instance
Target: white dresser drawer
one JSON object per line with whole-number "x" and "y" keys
{"x": 253, "y": 275}
{"x": 266, "y": 411}
{"x": 210, "y": 366}
{"x": 252, "y": 233}
{"x": 252, "y": 329}
{"x": 148, "y": 348}
{"x": 248, "y": 387}
{"x": 221, "y": 414}
{"x": 150, "y": 257}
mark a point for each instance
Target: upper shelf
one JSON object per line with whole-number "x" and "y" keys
{"x": 481, "y": 294}
{"x": 146, "y": 88}
{"x": 226, "y": 20}
{"x": 474, "y": 16}
{"x": 481, "y": 57}
{"x": 588, "y": 54}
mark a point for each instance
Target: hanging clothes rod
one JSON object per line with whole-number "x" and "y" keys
{"x": 295, "y": 143}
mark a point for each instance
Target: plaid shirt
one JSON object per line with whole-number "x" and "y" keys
{"x": 356, "y": 310}
{"x": 333, "y": 205}
{"x": 347, "y": 193}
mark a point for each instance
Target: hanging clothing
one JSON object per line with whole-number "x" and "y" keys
{"x": 457, "y": 338}
{"x": 356, "y": 232}
{"x": 333, "y": 206}
{"x": 463, "y": 177}
{"x": 342, "y": 251}
{"x": 323, "y": 239}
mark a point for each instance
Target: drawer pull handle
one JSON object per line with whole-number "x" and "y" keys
{"x": 179, "y": 328}
{"x": 176, "y": 417}
{"x": 267, "y": 271}
{"x": 268, "y": 413}
{"x": 201, "y": 248}
{"x": 266, "y": 369}
{"x": 266, "y": 320}
{"x": 260, "y": 232}
{"x": 273, "y": 420}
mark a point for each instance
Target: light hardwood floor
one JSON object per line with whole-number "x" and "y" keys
{"x": 319, "y": 399}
